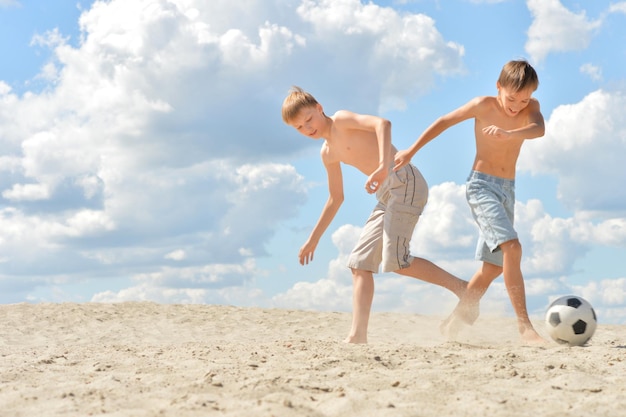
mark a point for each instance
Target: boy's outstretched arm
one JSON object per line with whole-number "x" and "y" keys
{"x": 464, "y": 112}
{"x": 334, "y": 201}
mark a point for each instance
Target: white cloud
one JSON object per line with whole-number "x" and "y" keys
{"x": 607, "y": 297}
{"x": 446, "y": 235}
{"x": 144, "y": 292}
{"x": 334, "y": 293}
{"x": 9, "y": 3}
{"x": 214, "y": 283}
{"x": 446, "y": 228}
{"x": 86, "y": 222}
{"x": 324, "y": 294}
{"x": 177, "y": 255}
{"x": 618, "y": 7}
{"x": 27, "y": 192}
{"x": 404, "y": 50}
{"x": 557, "y": 29}
{"x": 593, "y": 71}
{"x": 583, "y": 147}
{"x": 50, "y": 39}
{"x": 4, "y": 88}
{"x": 158, "y": 132}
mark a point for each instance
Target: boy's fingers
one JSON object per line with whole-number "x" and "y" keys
{"x": 306, "y": 258}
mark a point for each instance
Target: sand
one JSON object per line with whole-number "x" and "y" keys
{"x": 146, "y": 359}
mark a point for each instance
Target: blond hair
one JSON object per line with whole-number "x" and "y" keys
{"x": 518, "y": 75}
{"x": 296, "y": 100}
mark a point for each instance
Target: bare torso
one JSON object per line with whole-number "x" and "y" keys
{"x": 354, "y": 147}
{"x": 494, "y": 155}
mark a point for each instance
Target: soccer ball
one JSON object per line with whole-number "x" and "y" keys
{"x": 571, "y": 320}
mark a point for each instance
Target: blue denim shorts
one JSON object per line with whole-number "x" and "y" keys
{"x": 492, "y": 201}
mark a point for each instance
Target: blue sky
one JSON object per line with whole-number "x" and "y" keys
{"x": 143, "y": 157}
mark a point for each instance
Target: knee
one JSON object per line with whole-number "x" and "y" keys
{"x": 491, "y": 271}
{"x": 512, "y": 248}
{"x": 361, "y": 274}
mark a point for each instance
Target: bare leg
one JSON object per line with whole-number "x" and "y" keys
{"x": 362, "y": 297}
{"x": 363, "y": 292}
{"x": 514, "y": 281}
{"x": 476, "y": 288}
{"x": 427, "y": 271}
{"x": 467, "y": 310}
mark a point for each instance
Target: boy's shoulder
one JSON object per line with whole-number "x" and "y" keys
{"x": 344, "y": 120}
{"x": 482, "y": 105}
{"x": 485, "y": 100}
{"x": 343, "y": 115}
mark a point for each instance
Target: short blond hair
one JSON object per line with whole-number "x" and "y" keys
{"x": 296, "y": 100}
{"x": 518, "y": 75}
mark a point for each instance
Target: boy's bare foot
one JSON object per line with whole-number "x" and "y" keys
{"x": 464, "y": 314}
{"x": 468, "y": 312}
{"x": 451, "y": 326}
{"x": 530, "y": 336}
{"x": 355, "y": 340}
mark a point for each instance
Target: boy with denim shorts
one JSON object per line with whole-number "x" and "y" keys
{"x": 364, "y": 141}
{"x": 501, "y": 124}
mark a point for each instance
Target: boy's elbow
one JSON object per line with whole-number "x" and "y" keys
{"x": 336, "y": 200}
{"x": 541, "y": 131}
{"x": 385, "y": 124}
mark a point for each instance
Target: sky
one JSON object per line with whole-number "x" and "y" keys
{"x": 143, "y": 155}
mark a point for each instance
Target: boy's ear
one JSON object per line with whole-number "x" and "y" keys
{"x": 319, "y": 108}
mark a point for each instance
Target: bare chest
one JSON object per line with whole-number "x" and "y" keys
{"x": 358, "y": 149}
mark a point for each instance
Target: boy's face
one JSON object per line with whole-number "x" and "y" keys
{"x": 513, "y": 102}
{"x": 309, "y": 121}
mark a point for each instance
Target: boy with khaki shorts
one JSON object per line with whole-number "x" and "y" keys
{"x": 364, "y": 142}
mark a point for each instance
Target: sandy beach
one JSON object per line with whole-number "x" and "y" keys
{"x": 146, "y": 359}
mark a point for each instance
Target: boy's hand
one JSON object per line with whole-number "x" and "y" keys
{"x": 495, "y": 131}
{"x": 401, "y": 159}
{"x": 306, "y": 253}
{"x": 375, "y": 180}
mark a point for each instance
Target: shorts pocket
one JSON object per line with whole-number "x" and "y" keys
{"x": 402, "y": 220}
